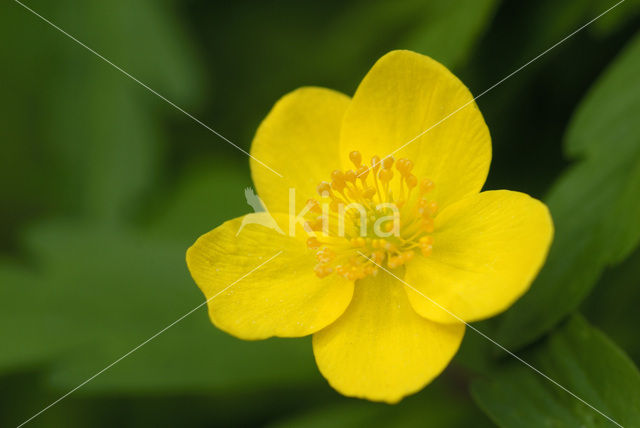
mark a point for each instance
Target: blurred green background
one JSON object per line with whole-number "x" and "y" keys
{"x": 104, "y": 186}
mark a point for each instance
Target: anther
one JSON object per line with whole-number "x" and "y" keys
{"x": 427, "y": 208}
{"x": 411, "y": 180}
{"x": 426, "y": 250}
{"x": 325, "y": 255}
{"x": 350, "y": 176}
{"x": 408, "y": 255}
{"x": 315, "y": 224}
{"x": 337, "y": 175}
{"x": 368, "y": 192}
{"x": 377, "y": 257}
{"x": 385, "y": 174}
{"x": 322, "y": 270}
{"x": 338, "y": 186}
{"x": 427, "y": 225}
{"x": 425, "y": 240}
{"x": 404, "y": 166}
{"x": 426, "y": 245}
{"x": 363, "y": 171}
{"x": 358, "y": 242}
{"x": 313, "y": 243}
{"x": 356, "y": 158}
{"x": 426, "y": 185}
{"x": 375, "y": 163}
{"x": 324, "y": 188}
{"x": 314, "y": 206}
{"x": 387, "y": 162}
{"x": 394, "y": 262}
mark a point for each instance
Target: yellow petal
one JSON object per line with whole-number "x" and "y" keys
{"x": 298, "y": 139}
{"x": 282, "y": 298}
{"x": 487, "y": 250}
{"x": 403, "y": 95}
{"x": 380, "y": 349}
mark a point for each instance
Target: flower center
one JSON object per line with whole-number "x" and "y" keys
{"x": 370, "y": 215}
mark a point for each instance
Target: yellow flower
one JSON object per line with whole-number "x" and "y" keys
{"x": 473, "y": 253}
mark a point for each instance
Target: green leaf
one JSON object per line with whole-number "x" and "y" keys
{"x": 93, "y": 293}
{"x": 439, "y": 405}
{"x": 103, "y": 129}
{"x": 550, "y": 21}
{"x": 613, "y": 305}
{"x": 27, "y": 184}
{"x": 448, "y": 30}
{"x": 206, "y": 195}
{"x": 616, "y": 18}
{"x": 21, "y": 331}
{"x": 595, "y": 205}
{"x": 444, "y": 30}
{"x": 101, "y": 292}
{"x": 581, "y": 359}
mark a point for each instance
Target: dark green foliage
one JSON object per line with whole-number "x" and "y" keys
{"x": 582, "y": 360}
{"x": 104, "y": 185}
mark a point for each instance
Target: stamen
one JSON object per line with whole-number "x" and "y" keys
{"x": 375, "y": 163}
{"x": 385, "y": 175}
{"x": 339, "y": 249}
{"x": 387, "y": 162}
{"x": 362, "y": 173}
{"x": 324, "y": 188}
{"x": 313, "y": 243}
{"x": 350, "y": 176}
{"x": 426, "y": 185}
{"x": 314, "y": 206}
{"x": 356, "y": 158}
{"x": 369, "y": 192}
{"x": 411, "y": 181}
{"x": 337, "y": 175}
